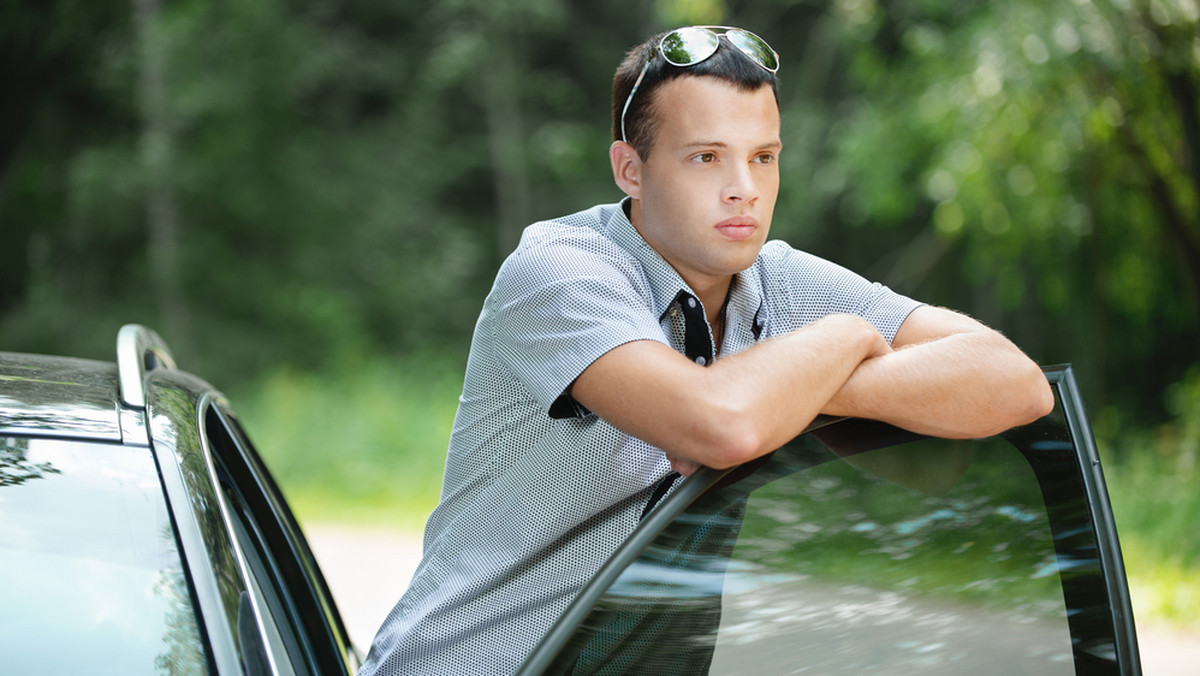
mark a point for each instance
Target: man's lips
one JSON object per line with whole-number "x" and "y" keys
{"x": 737, "y": 228}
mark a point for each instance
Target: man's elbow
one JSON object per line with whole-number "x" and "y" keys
{"x": 732, "y": 438}
{"x": 1030, "y": 399}
{"x": 1041, "y": 399}
{"x": 734, "y": 450}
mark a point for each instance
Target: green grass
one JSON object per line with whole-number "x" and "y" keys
{"x": 1155, "y": 494}
{"x": 1154, "y": 485}
{"x": 365, "y": 444}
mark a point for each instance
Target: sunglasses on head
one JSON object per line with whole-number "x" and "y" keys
{"x": 689, "y": 46}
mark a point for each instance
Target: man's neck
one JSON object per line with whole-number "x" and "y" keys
{"x": 713, "y": 295}
{"x": 712, "y": 292}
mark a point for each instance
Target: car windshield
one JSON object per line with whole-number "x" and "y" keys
{"x": 93, "y": 579}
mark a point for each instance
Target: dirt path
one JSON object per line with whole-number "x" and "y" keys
{"x": 369, "y": 569}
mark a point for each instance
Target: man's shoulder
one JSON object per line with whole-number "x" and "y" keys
{"x": 571, "y": 243}
{"x": 777, "y": 257}
{"x": 780, "y": 266}
{"x": 569, "y": 249}
{"x": 582, "y": 228}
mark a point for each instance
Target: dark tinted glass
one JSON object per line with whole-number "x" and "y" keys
{"x": 91, "y": 580}
{"x": 840, "y": 571}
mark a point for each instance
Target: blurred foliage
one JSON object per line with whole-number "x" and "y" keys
{"x": 276, "y": 182}
{"x": 1152, "y": 476}
{"x": 365, "y": 443}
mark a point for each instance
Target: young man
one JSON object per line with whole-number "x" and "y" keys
{"x": 663, "y": 333}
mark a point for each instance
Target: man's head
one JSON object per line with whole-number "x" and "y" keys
{"x": 704, "y": 197}
{"x": 739, "y": 58}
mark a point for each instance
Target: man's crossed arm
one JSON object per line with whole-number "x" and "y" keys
{"x": 944, "y": 374}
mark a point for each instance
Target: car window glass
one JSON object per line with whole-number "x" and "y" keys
{"x": 92, "y": 571}
{"x": 843, "y": 572}
{"x": 846, "y": 553}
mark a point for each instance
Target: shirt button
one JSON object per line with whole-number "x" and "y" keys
{"x": 692, "y": 302}
{"x": 701, "y": 361}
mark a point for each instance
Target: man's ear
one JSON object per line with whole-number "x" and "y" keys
{"x": 626, "y": 168}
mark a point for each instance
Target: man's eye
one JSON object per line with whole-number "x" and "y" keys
{"x": 765, "y": 158}
{"x": 706, "y": 158}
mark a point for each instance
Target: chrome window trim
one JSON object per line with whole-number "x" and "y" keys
{"x": 291, "y": 552}
{"x": 208, "y": 400}
{"x": 133, "y": 426}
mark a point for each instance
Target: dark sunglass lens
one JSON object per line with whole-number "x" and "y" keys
{"x": 754, "y": 47}
{"x": 688, "y": 46}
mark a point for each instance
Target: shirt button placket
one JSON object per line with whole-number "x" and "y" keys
{"x": 697, "y": 344}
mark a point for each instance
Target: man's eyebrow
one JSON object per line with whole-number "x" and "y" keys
{"x": 705, "y": 144}
{"x": 771, "y": 145}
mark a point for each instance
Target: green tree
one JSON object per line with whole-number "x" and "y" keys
{"x": 1031, "y": 163}
{"x": 344, "y": 177}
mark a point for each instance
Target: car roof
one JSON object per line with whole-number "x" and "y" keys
{"x": 83, "y": 398}
{"x": 182, "y": 428}
{"x": 59, "y": 396}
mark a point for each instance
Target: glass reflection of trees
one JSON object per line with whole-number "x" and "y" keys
{"x": 182, "y": 650}
{"x": 15, "y": 466}
{"x": 985, "y": 537}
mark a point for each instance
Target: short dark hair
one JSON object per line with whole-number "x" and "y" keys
{"x": 641, "y": 123}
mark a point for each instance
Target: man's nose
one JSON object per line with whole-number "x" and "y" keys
{"x": 740, "y": 185}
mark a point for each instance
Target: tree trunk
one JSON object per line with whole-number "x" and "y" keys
{"x": 506, "y": 143}
{"x": 156, "y": 153}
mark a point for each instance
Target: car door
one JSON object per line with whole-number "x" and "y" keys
{"x": 301, "y": 628}
{"x": 862, "y": 548}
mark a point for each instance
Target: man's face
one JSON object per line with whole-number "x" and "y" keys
{"x": 706, "y": 195}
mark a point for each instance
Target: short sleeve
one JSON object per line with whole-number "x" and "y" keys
{"x": 803, "y": 288}
{"x": 557, "y": 307}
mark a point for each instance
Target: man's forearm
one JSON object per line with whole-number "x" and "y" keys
{"x": 780, "y": 385}
{"x": 964, "y": 385}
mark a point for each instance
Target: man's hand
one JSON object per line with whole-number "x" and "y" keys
{"x": 684, "y": 467}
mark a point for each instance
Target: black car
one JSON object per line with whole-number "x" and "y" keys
{"x": 141, "y": 533}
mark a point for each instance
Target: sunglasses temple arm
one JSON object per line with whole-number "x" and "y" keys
{"x": 629, "y": 99}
